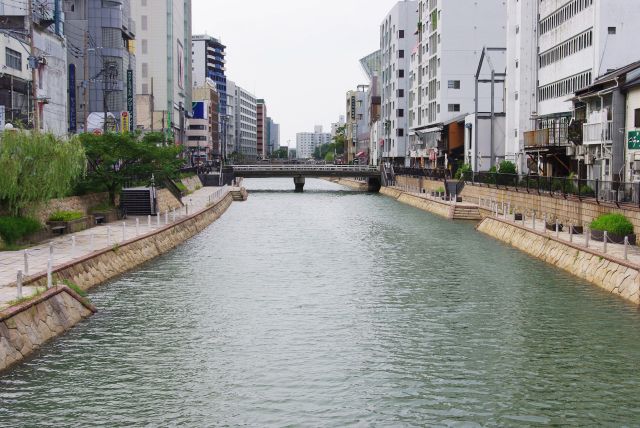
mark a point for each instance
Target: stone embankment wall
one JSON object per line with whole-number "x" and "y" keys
{"x": 433, "y": 206}
{"x": 568, "y": 211}
{"x": 616, "y": 276}
{"x": 352, "y": 184}
{"x": 26, "y": 327}
{"x": 102, "y": 265}
{"x": 73, "y": 203}
{"x": 166, "y": 201}
{"x": 192, "y": 183}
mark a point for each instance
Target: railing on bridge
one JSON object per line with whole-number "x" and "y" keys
{"x": 309, "y": 168}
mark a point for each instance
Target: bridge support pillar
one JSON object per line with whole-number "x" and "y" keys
{"x": 299, "y": 183}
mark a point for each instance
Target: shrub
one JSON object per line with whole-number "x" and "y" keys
{"x": 613, "y": 223}
{"x": 464, "y": 169}
{"x": 586, "y": 190}
{"x": 66, "y": 216}
{"x": 12, "y": 229}
{"x": 507, "y": 167}
{"x": 440, "y": 190}
{"x": 183, "y": 189}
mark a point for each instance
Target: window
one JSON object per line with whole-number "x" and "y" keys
{"x": 145, "y": 88}
{"x": 612, "y": 30}
{"x": 13, "y": 59}
{"x": 401, "y": 53}
{"x": 145, "y": 70}
{"x": 454, "y": 84}
{"x": 400, "y": 112}
{"x": 401, "y": 34}
{"x": 145, "y": 46}
{"x": 454, "y": 107}
{"x": 400, "y": 93}
{"x": 637, "y": 118}
{"x": 400, "y": 132}
{"x": 400, "y": 73}
{"x": 143, "y": 23}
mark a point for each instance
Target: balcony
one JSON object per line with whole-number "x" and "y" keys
{"x": 546, "y": 138}
{"x": 597, "y": 133}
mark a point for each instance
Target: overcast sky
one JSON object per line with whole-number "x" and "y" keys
{"x": 301, "y": 56}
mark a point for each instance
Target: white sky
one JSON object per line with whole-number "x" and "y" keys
{"x": 301, "y": 56}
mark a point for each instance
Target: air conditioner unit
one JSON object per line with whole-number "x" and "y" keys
{"x": 571, "y": 151}
{"x": 588, "y": 159}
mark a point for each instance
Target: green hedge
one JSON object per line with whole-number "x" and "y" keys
{"x": 66, "y": 216}
{"x": 12, "y": 229}
{"x": 613, "y": 223}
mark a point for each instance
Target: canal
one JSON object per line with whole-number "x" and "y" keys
{"x": 336, "y": 308}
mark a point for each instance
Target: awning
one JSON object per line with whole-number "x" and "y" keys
{"x": 361, "y": 155}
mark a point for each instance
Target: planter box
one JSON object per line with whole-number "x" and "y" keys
{"x": 458, "y": 198}
{"x": 598, "y": 235}
{"x": 71, "y": 226}
{"x": 552, "y": 226}
{"x": 517, "y": 217}
{"x": 576, "y": 230}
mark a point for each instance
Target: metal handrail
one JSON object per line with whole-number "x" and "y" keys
{"x": 348, "y": 168}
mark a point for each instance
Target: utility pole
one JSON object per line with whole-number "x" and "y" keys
{"x": 86, "y": 80}
{"x": 34, "y": 63}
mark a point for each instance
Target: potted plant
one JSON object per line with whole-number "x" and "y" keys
{"x": 517, "y": 216}
{"x": 617, "y": 227}
{"x": 68, "y": 222}
{"x": 576, "y": 230}
{"x": 440, "y": 192}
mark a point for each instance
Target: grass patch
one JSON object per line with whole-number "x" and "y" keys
{"x": 75, "y": 287}
{"x": 12, "y": 229}
{"x": 182, "y": 187}
{"x": 613, "y": 223}
{"x": 66, "y": 216}
{"x": 25, "y": 299}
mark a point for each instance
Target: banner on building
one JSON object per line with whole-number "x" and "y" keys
{"x": 130, "y": 96}
{"x": 353, "y": 107}
{"x": 125, "y": 122}
{"x": 72, "y": 99}
{"x": 634, "y": 140}
{"x": 199, "y": 110}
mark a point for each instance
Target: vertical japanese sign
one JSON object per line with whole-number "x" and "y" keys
{"x": 125, "y": 121}
{"x": 130, "y": 96}
{"x": 72, "y": 99}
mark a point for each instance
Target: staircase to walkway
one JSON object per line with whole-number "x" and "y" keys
{"x": 138, "y": 201}
{"x": 238, "y": 195}
{"x": 465, "y": 212}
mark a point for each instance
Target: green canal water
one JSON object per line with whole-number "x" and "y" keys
{"x": 334, "y": 308}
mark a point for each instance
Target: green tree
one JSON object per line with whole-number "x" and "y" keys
{"x": 115, "y": 159}
{"x": 281, "y": 153}
{"x": 35, "y": 167}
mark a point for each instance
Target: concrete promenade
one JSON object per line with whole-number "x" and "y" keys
{"x": 67, "y": 248}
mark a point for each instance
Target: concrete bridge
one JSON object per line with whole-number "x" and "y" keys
{"x": 299, "y": 172}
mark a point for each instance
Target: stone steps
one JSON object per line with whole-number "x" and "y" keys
{"x": 466, "y": 213}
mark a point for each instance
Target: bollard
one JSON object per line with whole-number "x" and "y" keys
{"x": 509, "y": 208}
{"x": 50, "y": 250}
{"x": 605, "y": 239}
{"x": 571, "y": 233}
{"x": 626, "y": 248}
{"x": 587, "y": 237}
{"x": 19, "y": 285}
{"x": 137, "y": 226}
{"x": 73, "y": 246}
{"x": 124, "y": 231}
{"x": 49, "y": 275}
{"x": 26, "y": 262}
{"x": 108, "y": 235}
{"x": 534, "y": 220}
{"x": 557, "y": 229}
{"x": 166, "y": 217}
{"x": 149, "y": 222}
{"x": 523, "y": 216}
{"x": 545, "y": 223}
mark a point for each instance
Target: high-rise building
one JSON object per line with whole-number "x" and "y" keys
{"x": 371, "y": 66}
{"x": 209, "y": 63}
{"x": 554, "y": 49}
{"x": 262, "y": 129}
{"x": 228, "y": 121}
{"x": 33, "y": 85}
{"x": 451, "y": 38}
{"x": 357, "y": 126}
{"x": 203, "y": 137}
{"x": 101, "y": 56}
{"x": 274, "y": 136}
{"x": 246, "y": 125}
{"x": 306, "y": 142}
{"x": 163, "y": 64}
{"x": 397, "y": 39}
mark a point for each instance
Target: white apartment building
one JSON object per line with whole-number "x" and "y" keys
{"x": 246, "y": 124}
{"x": 163, "y": 65}
{"x": 229, "y": 122}
{"x": 451, "y": 37}
{"x": 550, "y": 58}
{"x": 306, "y": 142}
{"x": 397, "y": 40}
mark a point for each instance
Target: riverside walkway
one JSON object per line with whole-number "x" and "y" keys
{"x": 35, "y": 260}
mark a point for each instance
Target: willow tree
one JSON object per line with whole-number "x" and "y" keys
{"x": 36, "y": 167}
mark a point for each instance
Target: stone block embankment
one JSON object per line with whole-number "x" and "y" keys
{"x": 616, "y": 276}
{"x": 351, "y": 183}
{"x": 24, "y": 328}
{"x": 441, "y": 208}
{"x": 192, "y": 183}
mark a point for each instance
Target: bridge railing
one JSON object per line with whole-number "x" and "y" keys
{"x": 310, "y": 168}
